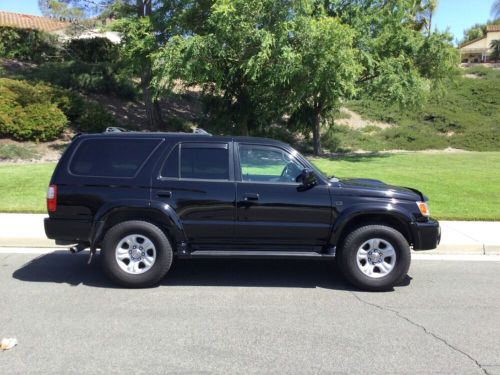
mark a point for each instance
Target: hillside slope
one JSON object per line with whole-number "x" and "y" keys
{"x": 467, "y": 117}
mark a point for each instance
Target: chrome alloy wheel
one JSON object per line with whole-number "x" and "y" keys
{"x": 376, "y": 258}
{"x": 135, "y": 254}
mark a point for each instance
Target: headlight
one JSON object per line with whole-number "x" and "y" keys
{"x": 424, "y": 208}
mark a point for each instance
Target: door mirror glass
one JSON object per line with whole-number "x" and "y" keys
{"x": 307, "y": 178}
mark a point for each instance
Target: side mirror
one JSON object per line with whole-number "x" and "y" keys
{"x": 307, "y": 177}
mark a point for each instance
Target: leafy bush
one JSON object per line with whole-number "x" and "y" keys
{"x": 27, "y": 112}
{"x": 98, "y": 78}
{"x": 331, "y": 140}
{"x": 40, "y": 112}
{"x": 92, "y": 50}
{"x": 93, "y": 119}
{"x": 27, "y": 44}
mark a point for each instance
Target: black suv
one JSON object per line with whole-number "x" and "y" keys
{"x": 145, "y": 198}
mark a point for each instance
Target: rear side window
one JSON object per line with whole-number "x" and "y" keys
{"x": 111, "y": 157}
{"x": 210, "y": 162}
{"x": 171, "y": 165}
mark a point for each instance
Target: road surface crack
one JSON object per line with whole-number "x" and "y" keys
{"x": 401, "y": 316}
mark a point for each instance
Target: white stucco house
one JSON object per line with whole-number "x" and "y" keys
{"x": 479, "y": 50}
{"x": 54, "y": 26}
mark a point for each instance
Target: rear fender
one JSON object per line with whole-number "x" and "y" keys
{"x": 159, "y": 213}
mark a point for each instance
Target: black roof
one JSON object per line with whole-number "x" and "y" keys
{"x": 182, "y": 136}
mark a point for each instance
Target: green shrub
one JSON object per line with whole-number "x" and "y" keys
{"x": 27, "y": 44}
{"x": 28, "y": 113}
{"x": 93, "y": 119}
{"x": 179, "y": 125}
{"x": 39, "y": 122}
{"x": 98, "y": 78}
{"x": 91, "y": 50}
{"x": 331, "y": 140}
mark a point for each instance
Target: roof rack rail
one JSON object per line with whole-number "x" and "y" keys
{"x": 115, "y": 129}
{"x": 201, "y": 131}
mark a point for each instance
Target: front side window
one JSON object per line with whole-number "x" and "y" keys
{"x": 268, "y": 164}
{"x": 116, "y": 157}
{"x": 205, "y": 162}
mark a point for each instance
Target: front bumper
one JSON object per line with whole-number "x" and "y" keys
{"x": 426, "y": 235}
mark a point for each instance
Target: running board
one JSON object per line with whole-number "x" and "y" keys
{"x": 258, "y": 254}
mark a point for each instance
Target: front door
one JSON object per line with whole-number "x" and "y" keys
{"x": 196, "y": 180}
{"x": 273, "y": 211}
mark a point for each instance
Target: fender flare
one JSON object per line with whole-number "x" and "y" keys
{"x": 404, "y": 217}
{"x": 163, "y": 211}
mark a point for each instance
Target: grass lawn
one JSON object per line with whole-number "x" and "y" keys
{"x": 23, "y": 187}
{"x": 461, "y": 186}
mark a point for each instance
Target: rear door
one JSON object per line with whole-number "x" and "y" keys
{"x": 197, "y": 180}
{"x": 273, "y": 211}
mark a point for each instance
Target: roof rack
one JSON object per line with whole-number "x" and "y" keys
{"x": 201, "y": 131}
{"x": 115, "y": 129}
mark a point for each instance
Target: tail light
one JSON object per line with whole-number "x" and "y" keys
{"x": 52, "y": 198}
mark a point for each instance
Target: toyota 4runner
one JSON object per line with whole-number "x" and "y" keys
{"x": 145, "y": 199}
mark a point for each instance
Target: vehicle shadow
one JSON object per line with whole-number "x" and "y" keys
{"x": 60, "y": 267}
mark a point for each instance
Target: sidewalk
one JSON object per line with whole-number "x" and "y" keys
{"x": 458, "y": 237}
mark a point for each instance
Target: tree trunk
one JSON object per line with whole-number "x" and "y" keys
{"x": 153, "y": 111}
{"x": 316, "y": 134}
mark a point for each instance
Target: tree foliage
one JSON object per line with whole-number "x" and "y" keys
{"x": 477, "y": 31}
{"x": 265, "y": 62}
{"x": 495, "y": 45}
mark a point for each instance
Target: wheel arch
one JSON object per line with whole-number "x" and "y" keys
{"x": 157, "y": 213}
{"x": 396, "y": 220}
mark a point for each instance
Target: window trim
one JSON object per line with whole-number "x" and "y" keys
{"x": 160, "y": 177}
{"x": 239, "y": 175}
{"x": 139, "y": 169}
{"x": 192, "y": 144}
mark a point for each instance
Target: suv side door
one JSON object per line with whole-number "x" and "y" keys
{"x": 197, "y": 180}
{"x": 273, "y": 210}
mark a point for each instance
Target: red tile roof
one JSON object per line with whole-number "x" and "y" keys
{"x": 492, "y": 28}
{"x": 27, "y": 21}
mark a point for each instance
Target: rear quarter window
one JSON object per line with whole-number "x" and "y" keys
{"x": 115, "y": 157}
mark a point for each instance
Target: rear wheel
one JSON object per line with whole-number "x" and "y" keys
{"x": 375, "y": 257}
{"x": 136, "y": 254}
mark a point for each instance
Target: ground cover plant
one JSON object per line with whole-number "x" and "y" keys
{"x": 466, "y": 116}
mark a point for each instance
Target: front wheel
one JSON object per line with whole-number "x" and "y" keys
{"x": 136, "y": 254}
{"x": 375, "y": 257}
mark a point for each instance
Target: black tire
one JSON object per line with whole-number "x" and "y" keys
{"x": 348, "y": 262}
{"x": 160, "y": 266}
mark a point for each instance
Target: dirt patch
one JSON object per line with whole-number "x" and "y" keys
{"x": 355, "y": 121}
{"x": 472, "y": 76}
{"x": 45, "y": 152}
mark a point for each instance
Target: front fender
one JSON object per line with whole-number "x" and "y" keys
{"x": 354, "y": 212}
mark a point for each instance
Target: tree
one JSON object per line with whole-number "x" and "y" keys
{"x": 145, "y": 26}
{"x": 495, "y": 45}
{"x": 296, "y": 61}
{"x": 495, "y": 9}
{"x": 423, "y": 13}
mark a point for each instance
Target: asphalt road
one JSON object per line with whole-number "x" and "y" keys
{"x": 243, "y": 316}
